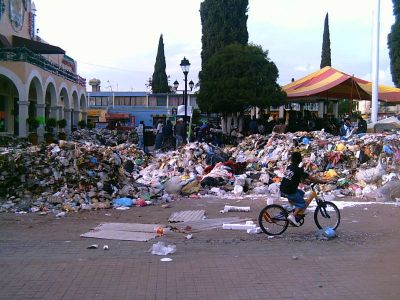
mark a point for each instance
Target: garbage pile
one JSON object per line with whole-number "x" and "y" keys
{"x": 104, "y": 137}
{"x": 12, "y": 142}
{"x": 361, "y": 165}
{"x": 68, "y": 176}
{"x": 96, "y": 170}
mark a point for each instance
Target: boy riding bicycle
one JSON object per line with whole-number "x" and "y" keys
{"x": 290, "y": 183}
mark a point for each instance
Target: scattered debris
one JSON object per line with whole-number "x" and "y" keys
{"x": 186, "y": 216}
{"x": 166, "y": 259}
{"x": 229, "y": 208}
{"x": 123, "y": 231}
{"x": 160, "y": 248}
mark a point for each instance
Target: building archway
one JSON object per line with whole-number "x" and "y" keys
{"x": 51, "y": 109}
{"x": 36, "y": 105}
{"x": 65, "y": 108}
{"x": 16, "y": 107}
{"x": 75, "y": 110}
{"x": 83, "y": 107}
{"x": 9, "y": 110}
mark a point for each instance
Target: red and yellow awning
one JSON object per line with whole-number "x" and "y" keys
{"x": 329, "y": 83}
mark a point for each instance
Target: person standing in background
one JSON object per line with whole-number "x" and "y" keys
{"x": 180, "y": 133}
{"x": 140, "y": 133}
{"x": 159, "y": 134}
{"x": 361, "y": 125}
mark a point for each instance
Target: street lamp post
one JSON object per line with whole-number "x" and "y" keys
{"x": 185, "y": 65}
{"x": 112, "y": 92}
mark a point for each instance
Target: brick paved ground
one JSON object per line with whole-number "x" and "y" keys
{"x": 44, "y": 258}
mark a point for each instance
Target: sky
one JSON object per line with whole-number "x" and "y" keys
{"x": 116, "y": 41}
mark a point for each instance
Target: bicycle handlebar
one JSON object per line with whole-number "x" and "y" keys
{"x": 312, "y": 185}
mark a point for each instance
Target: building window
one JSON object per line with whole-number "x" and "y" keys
{"x": 162, "y": 101}
{"x": 106, "y": 101}
{"x": 152, "y": 101}
{"x": 118, "y": 101}
{"x": 138, "y": 101}
{"x": 127, "y": 101}
{"x": 175, "y": 100}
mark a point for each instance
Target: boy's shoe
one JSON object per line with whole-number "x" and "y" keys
{"x": 292, "y": 219}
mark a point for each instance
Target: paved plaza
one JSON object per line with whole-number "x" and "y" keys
{"x": 42, "y": 257}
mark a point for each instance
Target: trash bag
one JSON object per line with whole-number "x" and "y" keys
{"x": 191, "y": 188}
{"x": 149, "y": 138}
{"x": 174, "y": 185}
{"x": 388, "y": 150}
{"x": 214, "y": 158}
{"x": 127, "y": 202}
{"x": 160, "y": 249}
{"x": 389, "y": 192}
{"x": 370, "y": 175}
{"x": 325, "y": 233}
{"x": 210, "y": 181}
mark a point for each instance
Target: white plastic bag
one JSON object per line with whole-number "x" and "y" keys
{"x": 238, "y": 190}
{"x": 160, "y": 249}
{"x": 371, "y": 175}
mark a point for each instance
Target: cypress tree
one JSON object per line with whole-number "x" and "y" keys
{"x": 159, "y": 82}
{"x": 224, "y": 22}
{"x": 394, "y": 45}
{"x": 326, "y": 45}
{"x": 237, "y": 77}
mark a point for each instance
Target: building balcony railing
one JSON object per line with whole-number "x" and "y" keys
{"x": 25, "y": 55}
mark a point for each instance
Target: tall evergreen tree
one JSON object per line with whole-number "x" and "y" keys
{"x": 326, "y": 45}
{"x": 159, "y": 82}
{"x": 224, "y": 22}
{"x": 394, "y": 45}
{"x": 238, "y": 77}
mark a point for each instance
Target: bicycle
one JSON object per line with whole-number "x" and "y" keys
{"x": 273, "y": 218}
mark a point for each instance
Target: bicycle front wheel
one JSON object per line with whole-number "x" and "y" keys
{"x": 273, "y": 219}
{"x": 327, "y": 214}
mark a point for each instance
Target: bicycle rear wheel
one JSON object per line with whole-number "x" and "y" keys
{"x": 272, "y": 219}
{"x": 327, "y": 214}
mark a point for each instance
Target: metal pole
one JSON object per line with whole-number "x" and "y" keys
{"x": 375, "y": 63}
{"x": 185, "y": 99}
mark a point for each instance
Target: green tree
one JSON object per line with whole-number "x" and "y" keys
{"x": 326, "y": 45}
{"x": 394, "y": 45}
{"x": 224, "y": 22}
{"x": 159, "y": 82}
{"x": 237, "y": 77}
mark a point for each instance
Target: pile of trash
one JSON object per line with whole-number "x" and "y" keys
{"x": 68, "y": 176}
{"x": 102, "y": 169}
{"x": 360, "y": 165}
{"x": 103, "y": 137}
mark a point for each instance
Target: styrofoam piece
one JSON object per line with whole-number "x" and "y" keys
{"x": 254, "y": 230}
{"x": 239, "y": 226}
{"x": 236, "y": 208}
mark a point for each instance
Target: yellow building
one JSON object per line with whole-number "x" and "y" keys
{"x": 37, "y": 80}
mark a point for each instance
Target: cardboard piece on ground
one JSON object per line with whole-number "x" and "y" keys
{"x": 123, "y": 231}
{"x": 187, "y": 215}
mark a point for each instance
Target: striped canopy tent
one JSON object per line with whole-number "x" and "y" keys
{"x": 329, "y": 83}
